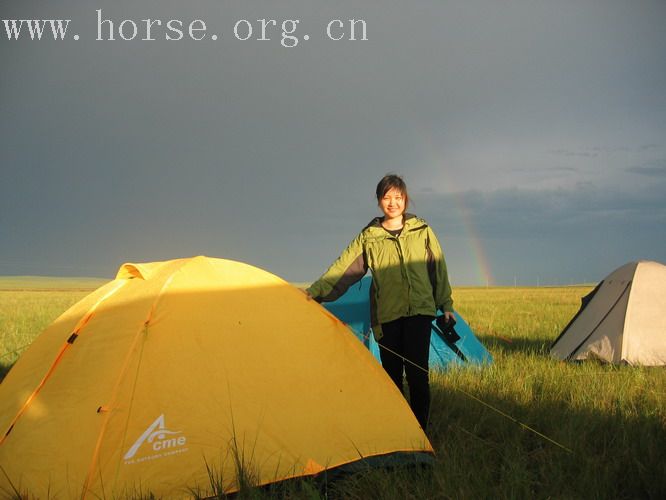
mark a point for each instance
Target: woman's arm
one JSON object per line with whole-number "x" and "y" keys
{"x": 347, "y": 269}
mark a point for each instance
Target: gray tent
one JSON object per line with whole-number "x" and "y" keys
{"x": 623, "y": 320}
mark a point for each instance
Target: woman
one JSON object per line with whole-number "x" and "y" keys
{"x": 409, "y": 283}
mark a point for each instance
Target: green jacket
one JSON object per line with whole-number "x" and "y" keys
{"x": 409, "y": 275}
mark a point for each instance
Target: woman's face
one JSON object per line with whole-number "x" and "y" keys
{"x": 392, "y": 204}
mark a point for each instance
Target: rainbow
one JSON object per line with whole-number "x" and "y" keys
{"x": 433, "y": 160}
{"x": 482, "y": 263}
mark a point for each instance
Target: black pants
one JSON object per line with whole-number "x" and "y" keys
{"x": 409, "y": 338}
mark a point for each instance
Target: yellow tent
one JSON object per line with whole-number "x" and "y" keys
{"x": 178, "y": 369}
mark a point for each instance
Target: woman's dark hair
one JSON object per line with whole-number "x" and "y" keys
{"x": 392, "y": 181}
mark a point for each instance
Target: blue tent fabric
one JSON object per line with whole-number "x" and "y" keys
{"x": 353, "y": 308}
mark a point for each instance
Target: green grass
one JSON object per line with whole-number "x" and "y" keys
{"x": 49, "y": 283}
{"x": 28, "y": 304}
{"x": 609, "y": 422}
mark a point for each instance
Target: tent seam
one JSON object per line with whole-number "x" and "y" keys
{"x": 114, "y": 396}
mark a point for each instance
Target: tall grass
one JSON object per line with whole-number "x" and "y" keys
{"x": 604, "y": 426}
{"x": 609, "y": 422}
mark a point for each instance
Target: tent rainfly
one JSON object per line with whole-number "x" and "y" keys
{"x": 182, "y": 368}
{"x": 623, "y": 320}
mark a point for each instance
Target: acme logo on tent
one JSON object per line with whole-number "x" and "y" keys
{"x": 159, "y": 437}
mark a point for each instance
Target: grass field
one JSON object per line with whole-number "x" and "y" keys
{"x": 44, "y": 283}
{"x": 526, "y": 426}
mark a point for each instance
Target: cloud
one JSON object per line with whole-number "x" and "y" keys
{"x": 625, "y": 149}
{"x": 595, "y": 151}
{"x": 561, "y": 235}
{"x": 569, "y": 153}
{"x": 655, "y": 168}
{"x": 547, "y": 169}
{"x": 548, "y": 213}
